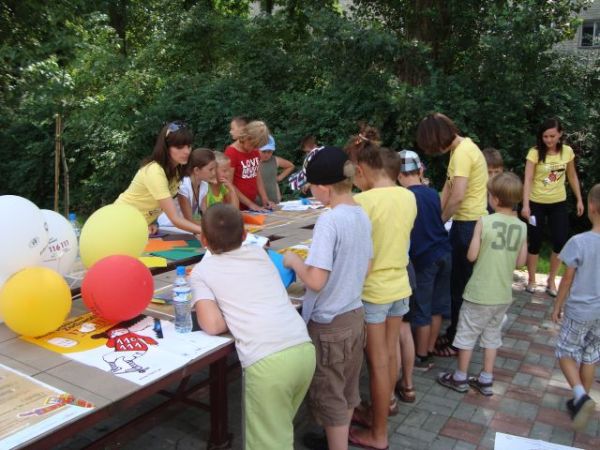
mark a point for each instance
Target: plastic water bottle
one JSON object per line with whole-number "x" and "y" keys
{"x": 182, "y": 301}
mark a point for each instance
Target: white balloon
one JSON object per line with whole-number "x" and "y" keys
{"x": 61, "y": 252}
{"x": 23, "y": 235}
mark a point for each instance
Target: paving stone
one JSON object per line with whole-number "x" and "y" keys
{"x": 442, "y": 443}
{"x": 461, "y": 445}
{"x": 463, "y": 431}
{"x": 522, "y": 379}
{"x": 562, "y": 436}
{"x": 541, "y": 431}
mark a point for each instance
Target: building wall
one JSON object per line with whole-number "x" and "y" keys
{"x": 574, "y": 45}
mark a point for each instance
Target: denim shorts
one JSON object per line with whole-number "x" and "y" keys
{"x": 377, "y": 313}
{"x": 432, "y": 294}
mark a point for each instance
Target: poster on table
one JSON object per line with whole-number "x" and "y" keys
{"x": 29, "y": 408}
{"x": 140, "y": 350}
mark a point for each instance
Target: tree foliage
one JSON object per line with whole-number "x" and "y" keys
{"x": 117, "y": 70}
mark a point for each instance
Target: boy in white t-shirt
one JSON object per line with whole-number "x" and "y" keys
{"x": 239, "y": 289}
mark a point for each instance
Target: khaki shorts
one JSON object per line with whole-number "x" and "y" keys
{"x": 477, "y": 320}
{"x": 334, "y": 388}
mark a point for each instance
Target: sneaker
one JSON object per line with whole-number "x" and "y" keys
{"x": 483, "y": 388}
{"x": 423, "y": 363}
{"x": 582, "y": 410}
{"x": 447, "y": 379}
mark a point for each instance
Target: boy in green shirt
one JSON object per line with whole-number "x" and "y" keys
{"x": 499, "y": 245}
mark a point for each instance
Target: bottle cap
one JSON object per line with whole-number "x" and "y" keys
{"x": 180, "y": 271}
{"x": 72, "y": 216}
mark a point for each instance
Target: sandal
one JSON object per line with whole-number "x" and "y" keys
{"x": 405, "y": 394}
{"x": 442, "y": 341}
{"x": 530, "y": 288}
{"x": 446, "y": 379}
{"x": 445, "y": 352}
{"x": 551, "y": 292}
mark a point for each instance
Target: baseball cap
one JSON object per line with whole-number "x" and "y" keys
{"x": 325, "y": 165}
{"x": 409, "y": 161}
{"x": 269, "y": 146}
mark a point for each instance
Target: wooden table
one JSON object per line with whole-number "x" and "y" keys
{"x": 111, "y": 394}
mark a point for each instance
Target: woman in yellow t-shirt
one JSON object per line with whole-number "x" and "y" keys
{"x": 464, "y": 199}
{"x": 156, "y": 183}
{"x": 544, "y": 197}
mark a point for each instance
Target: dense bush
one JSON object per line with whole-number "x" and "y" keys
{"x": 301, "y": 70}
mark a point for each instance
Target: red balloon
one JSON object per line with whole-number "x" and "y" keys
{"x": 117, "y": 288}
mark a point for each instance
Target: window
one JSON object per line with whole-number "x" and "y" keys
{"x": 590, "y": 34}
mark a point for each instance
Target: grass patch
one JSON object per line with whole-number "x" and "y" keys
{"x": 544, "y": 260}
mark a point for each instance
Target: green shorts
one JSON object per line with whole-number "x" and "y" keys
{"x": 274, "y": 388}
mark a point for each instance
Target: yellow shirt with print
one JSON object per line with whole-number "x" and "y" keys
{"x": 392, "y": 211}
{"x": 549, "y": 176}
{"x": 149, "y": 185}
{"x": 466, "y": 160}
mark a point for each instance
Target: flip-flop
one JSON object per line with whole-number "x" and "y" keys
{"x": 353, "y": 440}
{"x": 551, "y": 292}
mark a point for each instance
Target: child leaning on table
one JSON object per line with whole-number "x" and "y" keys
{"x": 334, "y": 272}
{"x": 579, "y": 339}
{"x": 239, "y": 289}
{"x": 499, "y": 245}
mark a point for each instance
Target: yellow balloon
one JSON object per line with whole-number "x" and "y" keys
{"x": 35, "y": 301}
{"x": 113, "y": 230}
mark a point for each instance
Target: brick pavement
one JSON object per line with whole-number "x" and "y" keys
{"x": 529, "y": 399}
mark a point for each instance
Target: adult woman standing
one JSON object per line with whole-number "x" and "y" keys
{"x": 464, "y": 199}
{"x": 156, "y": 182}
{"x": 544, "y": 197}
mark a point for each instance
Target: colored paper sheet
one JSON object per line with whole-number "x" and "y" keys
{"x": 153, "y": 261}
{"x": 254, "y": 219}
{"x": 179, "y": 253}
{"x": 156, "y": 245}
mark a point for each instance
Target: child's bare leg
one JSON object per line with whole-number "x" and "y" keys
{"x": 532, "y": 261}
{"x": 407, "y": 353}
{"x": 570, "y": 371}
{"x": 554, "y": 266}
{"x": 434, "y": 332}
{"x": 464, "y": 358}
{"x": 489, "y": 359}
{"x": 587, "y": 372}
{"x": 337, "y": 437}
{"x": 423, "y": 340}
{"x": 382, "y": 341}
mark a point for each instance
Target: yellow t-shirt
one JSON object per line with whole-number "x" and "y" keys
{"x": 392, "y": 211}
{"x": 549, "y": 176}
{"x": 149, "y": 185}
{"x": 466, "y": 160}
